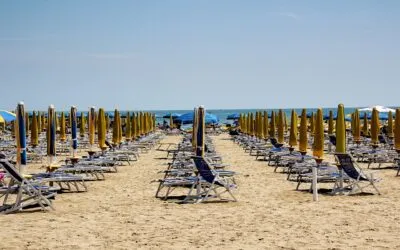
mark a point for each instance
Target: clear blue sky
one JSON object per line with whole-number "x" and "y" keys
{"x": 179, "y": 54}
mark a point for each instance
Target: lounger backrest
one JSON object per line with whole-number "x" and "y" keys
{"x": 275, "y": 143}
{"x": 332, "y": 139}
{"x": 11, "y": 170}
{"x": 204, "y": 169}
{"x": 346, "y": 163}
{"x": 382, "y": 139}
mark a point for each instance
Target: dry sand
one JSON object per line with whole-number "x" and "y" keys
{"x": 122, "y": 213}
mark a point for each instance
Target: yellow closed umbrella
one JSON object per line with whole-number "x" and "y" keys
{"x": 261, "y": 126}
{"x": 272, "y": 125}
{"x": 39, "y": 122}
{"x": 107, "y": 123}
{"x": 128, "y": 129}
{"x": 82, "y": 125}
{"x": 340, "y": 131}
{"x": 265, "y": 126}
{"x": 34, "y": 130}
{"x": 374, "y": 127}
{"x": 312, "y": 123}
{"x": 365, "y": 126}
{"x": 195, "y": 128}
{"x": 330, "y": 123}
{"x": 248, "y": 122}
{"x": 138, "y": 125}
{"x": 115, "y": 128}
{"x": 91, "y": 125}
{"x": 101, "y": 134}
{"x": 280, "y": 127}
{"x": 318, "y": 146}
{"x": 63, "y": 135}
{"x": 133, "y": 126}
{"x": 252, "y": 132}
{"x": 293, "y": 129}
{"x": 390, "y": 125}
{"x": 356, "y": 124}
{"x": 27, "y": 125}
{"x": 397, "y": 131}
{"x": 303, "y": 140}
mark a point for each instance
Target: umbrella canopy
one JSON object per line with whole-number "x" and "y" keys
{"x": 188, "y": 118}
{"x": 374, "y": 127}
{"x": 356, "y": 124}
{"x": 51, "y": 133}
{"x": 303, "y": 132}
{"x": 272, "y": 125}
{"x": 6, "y": 116}
{"x": 200, "y": 131}
{"x": 34, "y": 130}
{"x": 330, "y": 123}
{"x": 91, "y": 123}
{"x": 340, "y": 130}
{"x": 281, "y": 127}
{"x": 174, "y": 115}
{"x": 390, "y": 125}
{"x": 265, "y": 126}
{"x": 20, "y": 136}
{"x": 397, "y": 130}
{"x": 380, "y": 109}
{"x": 233, "y": 116}
{"x": 293, "y": 129}
{"x": 318, "y": 146}
{"x": 74, "y": 137}
{"x": 101, "y": 134}
{"x": 63, "y": 135}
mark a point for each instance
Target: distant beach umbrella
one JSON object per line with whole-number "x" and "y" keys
{"x": 261, "y": 117}
{"x": 248, "y": 123}
{"x": 128, "y": 129}
{"x": 318, "y": 146}
{"x": 119, "y": 128}
{"x": 272, "y": 126}
{"x": 293, "y": 129}
{"x": 330, "y": 123}
{"x": 390, "y": 125}
{"x": 82, "y": 125}
{"x": 74, "y": 137}
{"x": 397, "y": 131}
{"x": 374, "y": 127}
{"x": 138, "y": 125}
{"x": 195, "y": 129}
{"x": 312, "y": 123}
{"x": 303, "y": 140}
{"x": 265, "y": 126}
{"x": 91, "y": 126}
{"x": 285, "y": 123}
{"x": 39, "y": 122}
{"x": 51, "y": 133}
{"x": 107, "y": 123}
{"x": 27, "y": 125}
{"x": 44, "y": 122}
{"x": 20, "y": 136}
{"x": 101, "y": 134}
{"x": 133, "y": 126}
{"x": 340, "y": 130}
{"x": 115, "y": 135}
{"x": 34, "y": 130}
{"x": 200, "y": 131}
{"x": 281, "y": 127}
{"x": 63, "y": 135}
{"x": 365, "y": 125}
{"x": 356, "y": 124}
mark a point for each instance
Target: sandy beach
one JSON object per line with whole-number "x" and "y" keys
{"x": 122, "y": 213}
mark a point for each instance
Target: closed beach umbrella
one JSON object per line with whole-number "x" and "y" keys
{"x": 281, "y": 127}
{"x": 119, "y": 128}
{"x": 51, "y": 134}
{"x": 44, "y": 124}
{"x": 397, "y": 130}
{"x": 128, "y": 129}
{"x": 303, "y": 132}
{"x": 356, "y": 124}
{"x": 390, "y": 125}
{"x": 171, "y": 121}
{"x": 82, "y": 125}
{"x": 115, "y": 135}
{"x": 252, "y": 127}
{"x": 107, "y": 123}
{"x": 63, "y": 135}
{"x": 133, "y": 126}
{"x": 91, "y": 125}
{"x": 20, "y": 137}
{"x": 261, "y": 125}
{"x": 248, "y": 122}
{"x": 312, "y": 123}
{"x": 318, "y": 146}
{"x": 101, "y": 134}
{"x": 34, "y": 130}
{"x": 374, "y": 127}
{"x": 272, "y": 125}
{"x": 293, "y": 129}
{"x": 265, "y": 126}
{"x": 200, "y": 131}
{"x": 340, "y": 130}
{"x": 27, "y": 124}
{"x": 194, "y": 130}
{"x": 39, "y": 122}
{"x": 74, "y": 136}
{"x": 330, "y": 123}
{"x": 138, "y": 125}
{"x": 365, "y": 125}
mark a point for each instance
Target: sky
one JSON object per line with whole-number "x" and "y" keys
{"x": 178, "y": 54}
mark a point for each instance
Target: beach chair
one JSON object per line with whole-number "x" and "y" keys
{"x": 209, "y": 184}
{"x": 30, "y": 194}
{"x": 358, "y": 179}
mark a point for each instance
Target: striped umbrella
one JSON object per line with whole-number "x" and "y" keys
{"x": 200, "y": 131}
{"x": 303, "y": 140}
{"x": 74, "y": 136}
{"x": 20, "y": 137}
{"x": 51, "y": 134}
{"x": 6, "y": 116}
{"x": 340, "y": 130}
{"x": 91, "y": 125}
{"x": 34, "y": 130}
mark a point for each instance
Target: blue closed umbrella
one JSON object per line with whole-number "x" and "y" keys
{"x": 51, "y": 134}
{"x": 73, "y": 130}
{"x": 20, "y": 136}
